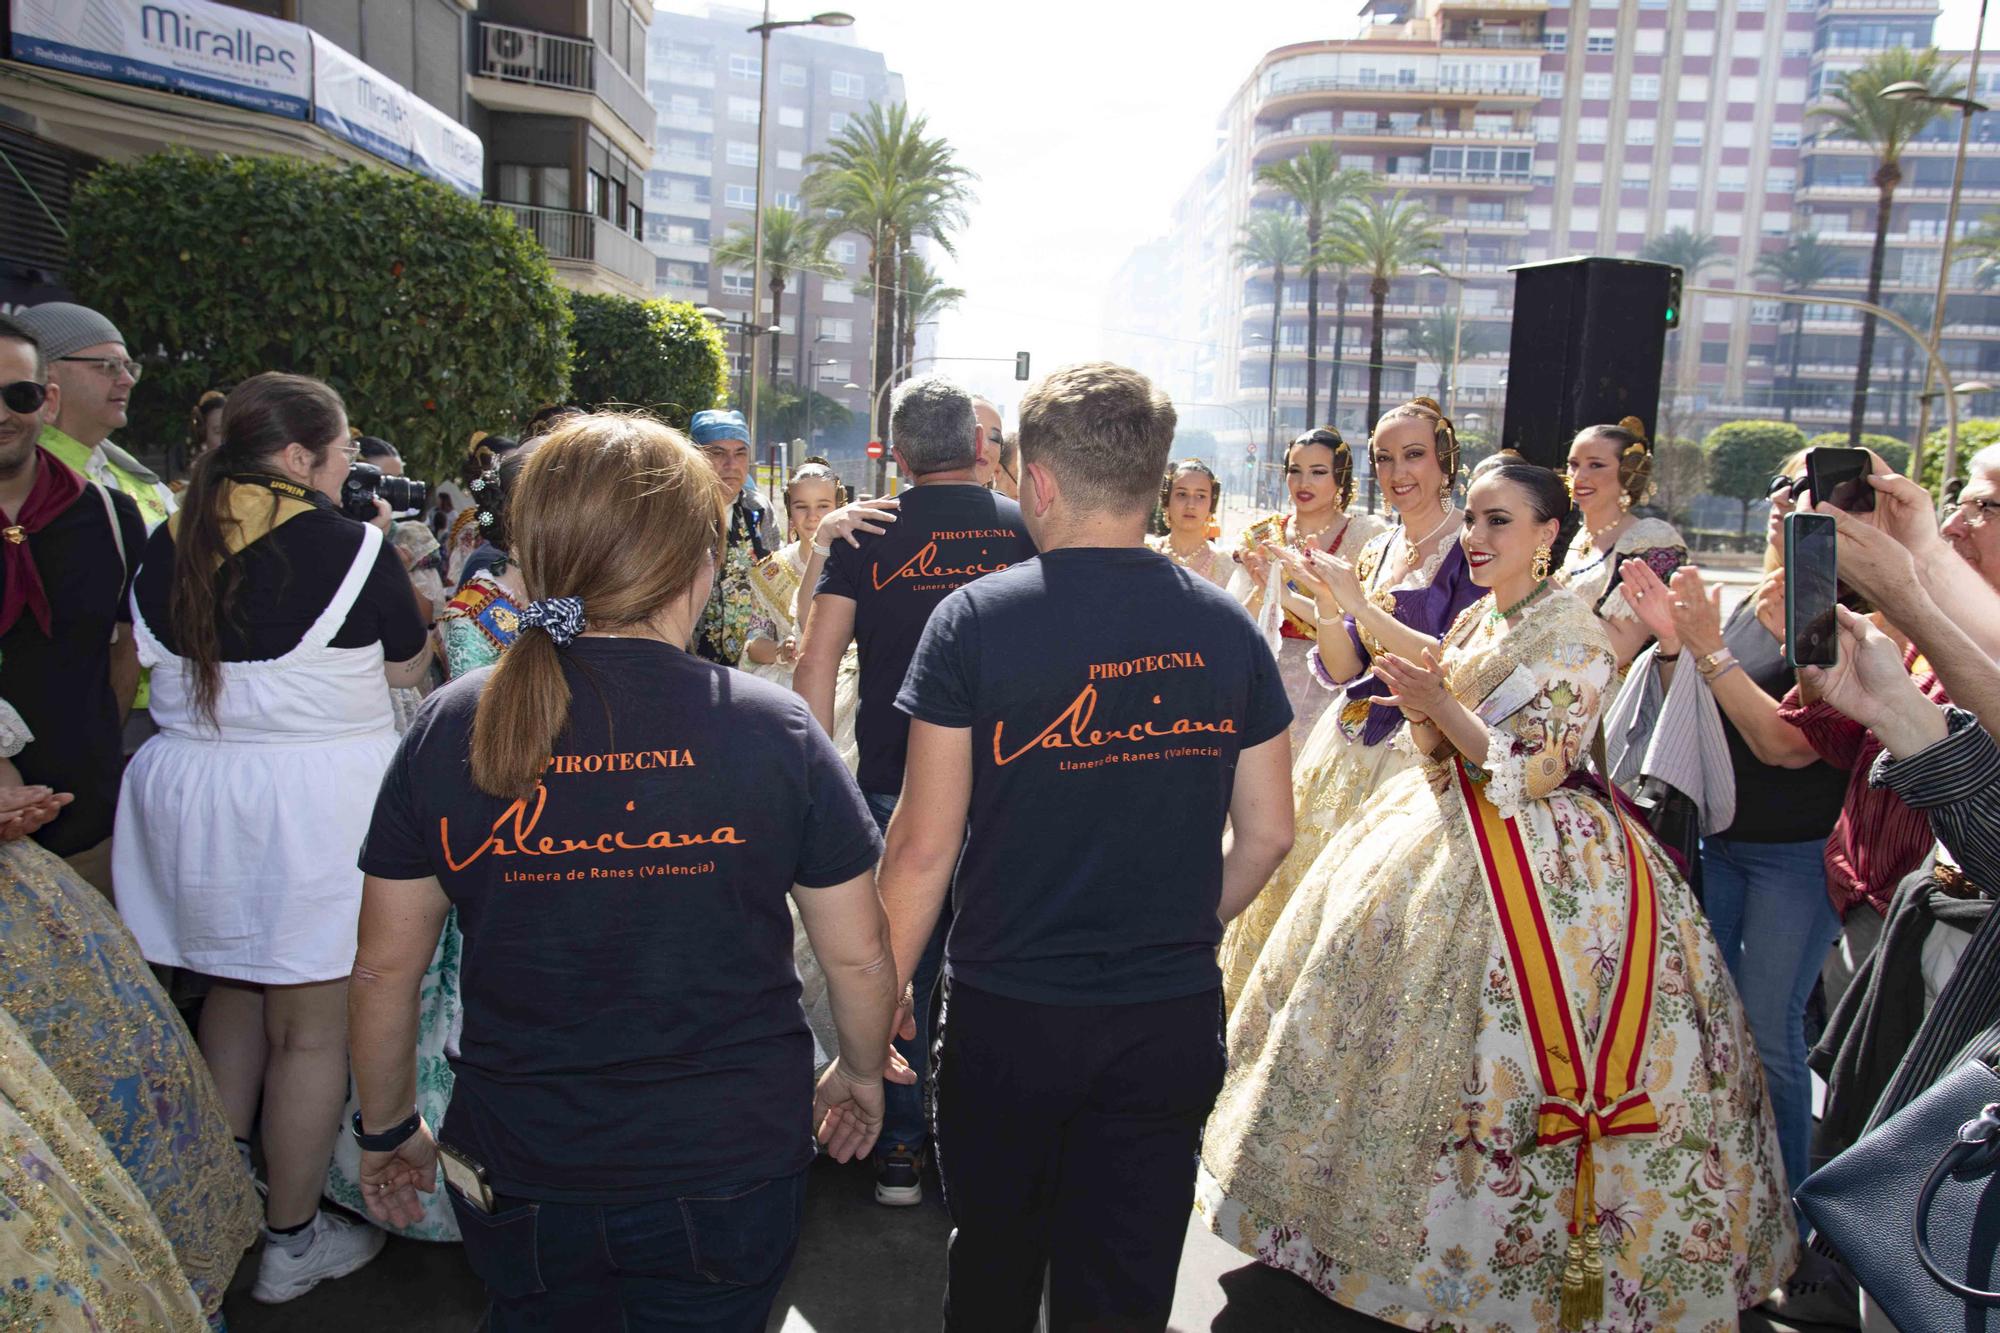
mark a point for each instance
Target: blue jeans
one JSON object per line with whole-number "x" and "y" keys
{"x": 712, "y": 1261}
{"x": 904, "y": 1120}
{"x": 1768, "y": 906}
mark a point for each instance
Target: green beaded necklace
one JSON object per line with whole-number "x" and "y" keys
{"x": 1496, "y": 615}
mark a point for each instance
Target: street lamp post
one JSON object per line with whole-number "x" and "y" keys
{"x": 1917, "y": 92}
{"x": 812, "y": 387}
{"x": 745, "y": 325}
{"x": 830, "y": 19}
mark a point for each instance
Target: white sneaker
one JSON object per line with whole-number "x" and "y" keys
{"x": 338, "y": 1248}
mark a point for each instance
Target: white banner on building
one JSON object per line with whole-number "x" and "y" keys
{"x": 445, "y": 150}
{"x": 184, "y": 46}
{"x": 356, "y": 102}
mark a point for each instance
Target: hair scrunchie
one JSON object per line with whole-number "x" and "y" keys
{"x": 561, "y": 618}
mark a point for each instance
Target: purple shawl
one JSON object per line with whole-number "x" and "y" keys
{"x": 1428, "y": 610}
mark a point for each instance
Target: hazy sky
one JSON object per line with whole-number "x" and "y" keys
{"x": 1085, "y": 120}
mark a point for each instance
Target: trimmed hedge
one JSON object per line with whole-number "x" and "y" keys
{"x": 432, "y": 315}
{"x": 659, "y": 355}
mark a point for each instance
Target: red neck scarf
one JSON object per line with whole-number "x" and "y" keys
{"x": 56, "y": 488}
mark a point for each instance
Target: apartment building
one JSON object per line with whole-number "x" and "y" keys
{"x": 532, "y": 105}
{"x": 557, "y": 92}
{"x": 1837, "y": 201}
{"x": 702, "y": 187}
{"x": 1532, "y": 131}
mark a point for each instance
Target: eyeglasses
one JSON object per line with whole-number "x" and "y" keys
{"x": 24, "y": 396}
{"x": 1977, "y": 511}
{"x": 1780, "y": 485}
{"x": 108, "y": 366}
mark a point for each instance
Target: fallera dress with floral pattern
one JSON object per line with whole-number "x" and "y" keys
{"x": 1377, "y": 1135}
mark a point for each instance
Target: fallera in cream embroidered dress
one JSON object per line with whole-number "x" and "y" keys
{"x": 1348, "y": 755}
{"x": 1376, "y": 1135}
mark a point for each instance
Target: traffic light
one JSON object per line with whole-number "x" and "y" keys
{"x": 1020, "y": 365}
{"x": 1673, "y": 311}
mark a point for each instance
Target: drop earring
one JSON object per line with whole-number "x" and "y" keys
{"x": 1540, "y": 569}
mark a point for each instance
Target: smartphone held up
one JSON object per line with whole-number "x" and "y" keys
{"x": 1812, "y": 588}
{"x": 1839, "y": 477}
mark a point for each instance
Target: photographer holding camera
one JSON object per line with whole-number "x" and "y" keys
{"x": 275, "y": 625}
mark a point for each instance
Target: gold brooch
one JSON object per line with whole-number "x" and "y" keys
{"x": 15, "y": 534}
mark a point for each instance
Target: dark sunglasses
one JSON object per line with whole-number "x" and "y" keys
{"x": 24, "y": 396}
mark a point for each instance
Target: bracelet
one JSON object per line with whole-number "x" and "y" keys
{"x": 822, "y": 551}
{"x": 389, "y": 1139}
{"x": 1727, "y": 667}
{"x": 1713, "y": 666}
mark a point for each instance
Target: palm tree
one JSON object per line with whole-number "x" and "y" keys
{"x": 1802, "y": 265}
{"x": 1384, "y": 239}
{"x": 1916, "y": 310}
{"x": 884, "y": 177}
{"x": 794, "y": 245}
{"x": 1317, "y": 184}
{"x": 1691, "y": 252}
{"x": 919, "y": 295}
{"x": 1276, "y": 241}
{"x": 1438, "y": 339}
{"x": 1331, "y": 259}
{"x": 1856, "y": 109}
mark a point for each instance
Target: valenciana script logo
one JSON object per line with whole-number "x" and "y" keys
{"x": 926, "y": 571}
{"x": 1075, "y": 727}
{"x": 513, "y": 834}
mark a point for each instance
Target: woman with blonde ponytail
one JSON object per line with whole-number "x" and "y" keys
{"x": 619, "y": 824}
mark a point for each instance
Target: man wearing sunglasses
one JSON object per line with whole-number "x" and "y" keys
{"x": 87, "y": 360}
{"x": 68, "y": 663}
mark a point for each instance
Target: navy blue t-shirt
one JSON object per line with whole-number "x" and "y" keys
{"x": 1109, "y": 692}
{"x": 944, "y": 537}
{"x": 632, "y": 1022}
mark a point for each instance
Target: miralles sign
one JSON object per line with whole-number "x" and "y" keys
{"x": 184, "y": 46}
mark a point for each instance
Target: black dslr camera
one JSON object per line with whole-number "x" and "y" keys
{"x": 365, "y": 482}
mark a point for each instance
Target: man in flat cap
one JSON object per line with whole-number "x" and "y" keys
{"x": 88, "y": 362}
{"x": 726, "y": 622}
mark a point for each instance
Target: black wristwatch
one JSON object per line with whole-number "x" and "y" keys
{"x": 389, "y": 1139}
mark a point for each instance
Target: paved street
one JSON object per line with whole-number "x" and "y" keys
{"x": 860, "y": 1269}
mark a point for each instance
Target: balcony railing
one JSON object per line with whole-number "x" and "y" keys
{"x": 573, "y": 64}
{"x": 1873, "y": 6}
{"x": 1431, "y": 87}
{"x": 1904, "y": 193}
{"x": 1437, "y": 132}
{"x": 1938, "y": 146}
{"x": 571, "y": 236}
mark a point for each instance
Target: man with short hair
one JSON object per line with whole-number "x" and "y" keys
{"x": 67, "y": 660}
{"x": 1082, "y": 728}
{"x": 88, "y": 363}
{"x": 724, "y": 440}
{"x": 879, "y": 592}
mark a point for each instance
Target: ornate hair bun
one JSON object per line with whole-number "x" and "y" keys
{"x": 1633, "y": 425}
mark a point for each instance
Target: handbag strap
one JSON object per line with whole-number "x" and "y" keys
{"x": 1977, "y": 1139}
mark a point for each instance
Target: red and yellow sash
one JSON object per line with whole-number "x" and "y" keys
{"x": 1583, "y": 1099}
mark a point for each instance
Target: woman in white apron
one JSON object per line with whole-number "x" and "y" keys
{"x": 268, "y": 617}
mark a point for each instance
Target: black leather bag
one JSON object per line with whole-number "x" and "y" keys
{"x": 1914, "y": 1207}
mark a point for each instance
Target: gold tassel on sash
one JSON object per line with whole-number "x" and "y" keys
{"x": 1583, "y": 1265}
